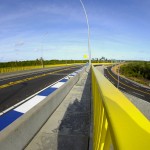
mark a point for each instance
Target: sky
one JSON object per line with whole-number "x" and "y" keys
{"x": 57, "y": 29}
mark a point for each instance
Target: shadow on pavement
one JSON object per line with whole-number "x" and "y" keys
{"x": 73, "y": 132}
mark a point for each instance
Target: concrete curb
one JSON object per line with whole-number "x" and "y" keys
{"x": 18, "y": 134}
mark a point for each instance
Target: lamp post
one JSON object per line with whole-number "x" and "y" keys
{"x": 89, "y": 50}
{"x": 118, "y": 76}
{"x": 42, "y": 59}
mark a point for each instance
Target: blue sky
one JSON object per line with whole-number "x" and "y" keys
{"x": 56, "y": 29}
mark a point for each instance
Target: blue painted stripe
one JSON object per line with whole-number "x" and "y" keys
{"x": 8, "y": 118}
{"x": 47, "y": 91}
{"x": 63, "y": 80}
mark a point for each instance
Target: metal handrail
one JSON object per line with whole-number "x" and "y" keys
{"x": 117, "y": 122}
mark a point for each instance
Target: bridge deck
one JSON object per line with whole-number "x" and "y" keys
{"x": 69, "y": 126}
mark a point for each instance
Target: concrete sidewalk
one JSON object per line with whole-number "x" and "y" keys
{"x": 69, "y": 126}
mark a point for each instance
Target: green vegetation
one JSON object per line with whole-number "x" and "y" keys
{"x": 33, "y": 64}
{"x": 38, "y": 62}
{"x": 138, "y": 71}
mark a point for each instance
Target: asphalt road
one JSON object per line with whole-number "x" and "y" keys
{"x": 128, "y": 86}
{"x": 16, "y": 88}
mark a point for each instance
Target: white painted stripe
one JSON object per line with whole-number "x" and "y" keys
{"x": 112, "y": 82}
{"x": 147, "y": 90}
{"x": 138, "y": 94}
{"x": 122, "y": 87}
{"x": 28, "y": 98}
{"x": 57, "y": 85}
{"x": 79, "y": 70}
{"x": 70, "y": 76}
{"x": 35, "y": 95}
{"x": 73, "y": 74}
{"x": 66, "y": 78}
{"x": 135, "y": 85}
{"x": 29, "y": 104}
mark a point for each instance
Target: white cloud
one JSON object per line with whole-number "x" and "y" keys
{"x": 19, "y": 44}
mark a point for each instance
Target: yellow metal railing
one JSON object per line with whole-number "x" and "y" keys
{"x": 117, "y": 123}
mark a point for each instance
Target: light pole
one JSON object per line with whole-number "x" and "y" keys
{"x": 89, "y": 50}
{"x": 42, "y": 59}
{"x": 118, "y": 76}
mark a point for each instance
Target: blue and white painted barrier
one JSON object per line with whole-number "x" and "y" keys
{"x": 9, "y": 117}
{"x": 22, "y": 123}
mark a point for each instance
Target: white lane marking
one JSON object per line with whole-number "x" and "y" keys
{"x": 70, "y": 76}
{"x": 147, "y": 90}
{"x": 73, "y": 74}
{"x": 28, "y": 98}
{"x": 135, "y": 85}
{"x": 29, "y": 104}
{"x": 112, "y": 82}
{"x": 122, "y": 87}
{"x": 138, "y": 94}
{"x": 66, "y": 78}
{"x": 126, "y": 81}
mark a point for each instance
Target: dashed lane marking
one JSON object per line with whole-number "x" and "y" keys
{"x": 135, "y": 85}
{"x": 122, "y": 87}
{"x": 138, "y": 94}
{"x": 126, "y": 81}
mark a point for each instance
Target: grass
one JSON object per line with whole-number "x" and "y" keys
{"x": 136, "y": 79}
{"x": 140, "y": 80}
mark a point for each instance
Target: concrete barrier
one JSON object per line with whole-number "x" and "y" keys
{"x": 19, "y": 133}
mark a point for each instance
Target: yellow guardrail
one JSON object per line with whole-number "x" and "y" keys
{"x": 102, "y": 64}
{"x": 117, "y": 122}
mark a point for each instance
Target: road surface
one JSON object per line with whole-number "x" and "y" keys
{"x": 127, "y": 86}
{"x": 16, "y": 88}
